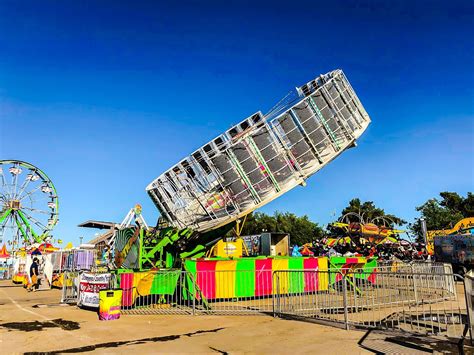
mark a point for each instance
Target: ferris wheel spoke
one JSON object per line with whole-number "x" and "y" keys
{"x": 3, "y": 223}
{"x": 21, "y": 230}
{"x": 36, "y": 210}
{"x": 35, "y": 221}
{"x": 5, "y": 215}
{"x": 4, "y": 184}
{"x": 6, "y": 188}
{"x": 29, "y": 193}
{"x": 40, "y": 199}
{"x": 23, "y": 187}
{"x": 15, "y": 179}
{"x": 3, "y": 226}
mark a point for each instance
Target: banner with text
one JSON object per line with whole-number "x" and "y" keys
{"x": 89, "y": 287}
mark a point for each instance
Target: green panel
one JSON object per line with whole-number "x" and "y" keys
{"x": 191, "y": 267}
{"x": 370, "y": 265}
{"x": 337, "y": 261}
{"x": 165, "y": 283}
{"x": 296, "y": 283}
{"x": 245, "y": 280}
{"x": 368, "y": 268}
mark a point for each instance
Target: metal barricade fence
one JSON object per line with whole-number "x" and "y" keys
{"x": 6, "y": 272}
{"x": 70, "y": 291}
{"x": 203, "y": 292}
{"x": 420, "y": 298}
{"x": 156, "y": 292}
{"x": 469, "y": 296}
{"x": 234, "y": 292}
{"x": 414, "y": 302}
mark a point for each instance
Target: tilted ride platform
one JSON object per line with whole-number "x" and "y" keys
{"x": 262, "y": 157}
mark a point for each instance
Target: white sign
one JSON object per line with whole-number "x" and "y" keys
{"x": 89, "y": 287}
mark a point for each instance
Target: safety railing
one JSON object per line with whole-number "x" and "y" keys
{"x": 469, "y": 297}
{"x": 82, "y": 287}
{"x": 6, "y": 272}
{"x": 70, "y": 290}
{"x": 417, "y": 302}
{"x": 203, "y": 292}
{"x": 418, "y": 299}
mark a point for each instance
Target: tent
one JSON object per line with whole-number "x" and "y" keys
{"x": 47, "y": 247}
{"x": 36, "y": 252}
{"x": 4, "y": 254}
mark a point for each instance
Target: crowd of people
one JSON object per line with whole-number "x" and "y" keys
{"x": 402, "y": 250}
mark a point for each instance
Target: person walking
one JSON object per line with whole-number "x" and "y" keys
{"x": 34, "y": 273}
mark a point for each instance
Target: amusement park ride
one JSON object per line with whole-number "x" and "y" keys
{"x": 246, "y": 167}
{"x": 378, "y": 230}
{"x": 28, "y": 204}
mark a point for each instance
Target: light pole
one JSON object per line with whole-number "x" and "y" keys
{"x": 424, "y": 230}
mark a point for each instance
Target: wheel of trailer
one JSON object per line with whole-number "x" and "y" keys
{"x": 28, "y": 204}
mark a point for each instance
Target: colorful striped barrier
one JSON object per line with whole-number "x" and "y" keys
{"x": 239, "y": 278}
{"x": 252, "y": 277}
{"x": 136, "y": 284}
{"x": 346, "y": 264}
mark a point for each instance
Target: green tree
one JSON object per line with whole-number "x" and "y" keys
{"x": 443, "y": 213}
{"x": 369, "y": 213}
{"x": 301, "y": 229}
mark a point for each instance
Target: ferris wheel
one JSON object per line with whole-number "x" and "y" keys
{"x": 28, "y": 204}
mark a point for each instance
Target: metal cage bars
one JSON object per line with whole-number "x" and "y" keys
{"x": 261, "y": 157}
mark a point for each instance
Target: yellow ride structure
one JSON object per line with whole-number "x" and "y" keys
{"x": 462, "y": 227}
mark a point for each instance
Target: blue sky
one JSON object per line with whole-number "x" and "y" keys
{"x": 106, "y": 95}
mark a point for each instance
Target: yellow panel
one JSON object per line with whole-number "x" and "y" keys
{"x": 282, "y": 264}
{"x": 225, "y": 278}
{"x": 323, "y": 282}
{"x": 229, "y": 249}
{"x": 142, "y": 282}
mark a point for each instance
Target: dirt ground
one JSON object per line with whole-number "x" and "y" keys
{"x": 36, "y": 322}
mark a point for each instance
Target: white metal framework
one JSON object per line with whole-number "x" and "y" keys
{"x": 262, "y": 157}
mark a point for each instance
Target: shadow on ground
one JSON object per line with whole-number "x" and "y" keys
{"x": 38, "y": 326}
{"x": 380, "y": 342}
{"x": 116, "y": 344}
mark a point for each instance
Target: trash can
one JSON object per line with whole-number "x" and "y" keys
{"x": 110, "y": 302}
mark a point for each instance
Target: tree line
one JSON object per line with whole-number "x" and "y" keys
{"x": 439, "y": 213}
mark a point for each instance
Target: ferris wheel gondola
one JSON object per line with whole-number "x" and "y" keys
{"x": 28, "y": 204}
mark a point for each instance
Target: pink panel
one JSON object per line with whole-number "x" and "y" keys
{"x": 206, "y": 278}
{"x": 310, "y": 278}
{"x": 126, "y": 284}
{"x": 263, "y": 277}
